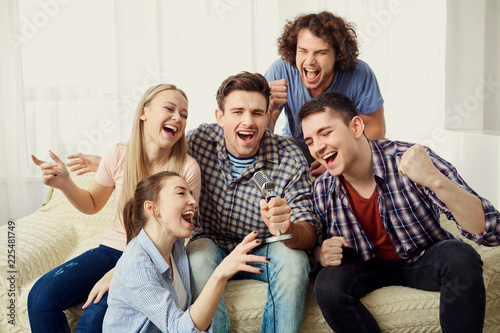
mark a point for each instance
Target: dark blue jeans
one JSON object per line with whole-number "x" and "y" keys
{"x": 451, "y": 266}
{"x": 68, "y": 285}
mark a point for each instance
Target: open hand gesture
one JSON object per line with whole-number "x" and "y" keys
{"x": 53, "y": 174}
{"x": 237, "y": 260}
{"x": 83, "y": 163}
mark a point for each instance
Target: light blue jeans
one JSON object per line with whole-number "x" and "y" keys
{"x": 287, "y": 275}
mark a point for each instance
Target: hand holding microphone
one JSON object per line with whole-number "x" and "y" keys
{"x": 266, "y": 186}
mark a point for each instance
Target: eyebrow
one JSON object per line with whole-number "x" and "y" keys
{"x": 238, "y": 108}
{"x": 169, "y": 102}
{"x": 180, "y": 187}
{"x": 318, "y": 131}
{"x": 183, "y": 189}
{"x": 316, "y": 51}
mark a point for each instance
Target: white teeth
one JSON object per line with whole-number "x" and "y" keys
{"x": 188, "y": 213}
{"x": 173, "y": 128}
{"x": 329, "y": 155}
{"x": 311, "y": 70}
{"x": 245, "y": 133}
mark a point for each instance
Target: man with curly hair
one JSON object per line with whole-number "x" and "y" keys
{"x": 319, "y": 53}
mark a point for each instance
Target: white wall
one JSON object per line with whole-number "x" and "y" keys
{"x": 426, "y": 61}
{"x": 471, "y": 140}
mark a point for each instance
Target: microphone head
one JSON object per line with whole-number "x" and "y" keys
{"x": 265, "y": 185}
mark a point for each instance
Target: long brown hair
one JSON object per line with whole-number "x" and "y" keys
{"x": 135, "y": 156}
{"x": 148, "y": 189}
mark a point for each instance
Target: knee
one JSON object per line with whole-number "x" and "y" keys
{"x": 203, "y": 252}
{"x": 326, "y": 291}
{"x": 460, "y": 256}
{"x": 204, "y": 256}
{"x": 41, "y": 296}
{"x": 290, "y": 265}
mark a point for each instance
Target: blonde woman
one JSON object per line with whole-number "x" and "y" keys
{"x": 157, "y": 143}
{"x": 150, "y": 290}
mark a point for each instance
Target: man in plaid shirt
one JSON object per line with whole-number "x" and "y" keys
{"x": 229, "y": 153}
{"x": 380, "y": 204}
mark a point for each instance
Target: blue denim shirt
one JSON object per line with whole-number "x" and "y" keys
{"x": 141, "y": 296}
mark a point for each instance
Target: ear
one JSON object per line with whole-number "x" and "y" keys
{"x": 219, "y": 115}
{"x": 357, "y": 127}
{"x": 149, "y": 208}
{"x": 144, "y": 113}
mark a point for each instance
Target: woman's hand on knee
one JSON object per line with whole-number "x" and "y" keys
{"x": 237, "y": 260}
{"x": 99, "y": 289}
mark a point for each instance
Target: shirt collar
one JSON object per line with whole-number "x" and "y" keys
{"x": 379, "y": 168}
{"x": 378, "y": 160}
{"x": 267, "y": 153}
{"x": 153, "y": 252}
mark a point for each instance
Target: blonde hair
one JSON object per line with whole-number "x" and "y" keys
{"x": 135, "y": 157}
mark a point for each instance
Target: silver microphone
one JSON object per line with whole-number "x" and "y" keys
{"x": 266, "y": 187}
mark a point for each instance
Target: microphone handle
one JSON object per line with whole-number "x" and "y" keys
{"x": 268, "y": 198}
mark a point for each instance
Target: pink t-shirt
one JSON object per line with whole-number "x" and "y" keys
{"x": 110, "y": 173}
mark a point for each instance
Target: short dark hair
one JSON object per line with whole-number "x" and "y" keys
{"x": 334, "y": 30}
{"x": 244, "y": 81}
{"x": 336, "y": 103}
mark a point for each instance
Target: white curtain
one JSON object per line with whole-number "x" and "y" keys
{"x": 73, "y": 70}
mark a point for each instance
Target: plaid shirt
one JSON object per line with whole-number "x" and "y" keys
{"x": 414, "y": 210}
{"x": 229, "y": 208}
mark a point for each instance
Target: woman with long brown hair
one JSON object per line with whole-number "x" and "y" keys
{"x": 150, "y": 290}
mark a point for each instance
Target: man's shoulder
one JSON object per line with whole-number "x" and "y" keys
{"x": 391, "y": 148}
{"x": 324, "y": 180}
{"x": 288, "y": 150}
{"x": 205, "y": 132}
{"x": 280, "y": 69}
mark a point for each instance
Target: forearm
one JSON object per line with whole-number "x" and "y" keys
{"x": 304, "y": 236}
{"x": 465, "y": 207}
{"x": 273, "y": 117}
{"x": 203, "y": 309}
{"x": 374, "y": 124}
{"x": 80, "y": 198}
{"x": 375, "y": 132}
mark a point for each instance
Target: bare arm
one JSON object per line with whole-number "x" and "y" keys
{"x": 465, "y": 207}
{"x": 56, "y": 175}
{"x": 277, "y": 99}
{"x": 374, "y": 124}
{"x": 304, "y": 236}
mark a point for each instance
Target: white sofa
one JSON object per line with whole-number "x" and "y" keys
{"x": 57, "y": 232}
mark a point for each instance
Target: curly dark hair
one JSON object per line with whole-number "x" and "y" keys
{"x": 334, "y": 30}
